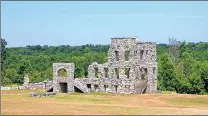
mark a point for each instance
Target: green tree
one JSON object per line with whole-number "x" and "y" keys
{"x": 12, "y": 76}
{"x": 182, "y": 49}
{"x": 87, "y": 50}
{"x": 3, "y": 58}
{"x": 189, "y": 78}
{"x": 167, "y": 76}
{"x": 24, "y": 67}
{"x": 204, "y": 75}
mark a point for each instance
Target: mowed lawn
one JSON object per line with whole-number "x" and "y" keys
{"x": 19, "y": 102}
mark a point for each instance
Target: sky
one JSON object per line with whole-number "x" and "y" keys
{"x": 56, "y": 23}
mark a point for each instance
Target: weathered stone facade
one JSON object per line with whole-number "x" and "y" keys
{"x": 131, "y": 68}
{"x": 63, "y": 84}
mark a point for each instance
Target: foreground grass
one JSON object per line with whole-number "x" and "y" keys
{"x": 103, "y": 103}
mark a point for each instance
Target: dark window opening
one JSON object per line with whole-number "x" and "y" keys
{"x": 63, "y": 87}
{"x": 96, "y": 72}
{"x": 89, "y": 86}
{"x": 106, "y": 72}
{"x": 127, "y": 53}
{"x": 127, "y": 70}
{"x": 77, "y": 90}
{"x": 141, "y": 54}
{"x": 145, "y": 69}
{"x": 117, "y": 72}
{"x": 105, "y": 87}
{"x": 96, "y": 86}
{"x": 117, "y": 55}
{"x": 116, "y": 88}
{"x": 62, "y": 72}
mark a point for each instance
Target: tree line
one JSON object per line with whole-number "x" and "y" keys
{"x": 185, "y": 71}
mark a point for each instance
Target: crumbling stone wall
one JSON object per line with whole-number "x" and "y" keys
{"x": 68, "y": 80}
{"x": 129, "y": 64}
{"x": 131, "y": 68}
{"x": 40, "y": 85}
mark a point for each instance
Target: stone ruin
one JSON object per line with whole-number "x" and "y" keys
{"x": 131, "y": 68}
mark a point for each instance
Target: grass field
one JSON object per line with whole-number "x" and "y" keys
{"x": 19, "y": 102}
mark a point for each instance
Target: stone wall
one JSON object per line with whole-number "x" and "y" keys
{"x": 68, "y": 80}
{"x": 130, "y": 64}
{"x": 40, "y": 85}
{"x": 32, "y": 86}
{"x": 131, "y": 68}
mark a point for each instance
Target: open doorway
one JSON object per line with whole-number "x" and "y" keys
{"x": 63, "y": 87}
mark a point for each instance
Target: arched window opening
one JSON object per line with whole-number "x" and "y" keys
{"x": 62, "y": 72}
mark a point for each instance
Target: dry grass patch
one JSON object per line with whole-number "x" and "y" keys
{"x": 103, "y": 103}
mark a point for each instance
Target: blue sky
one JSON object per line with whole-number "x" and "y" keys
{"x": 78, "y": 23}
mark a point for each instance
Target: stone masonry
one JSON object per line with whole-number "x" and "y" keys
{"x": 131, "y": 68}
{"x": 63, "y": 84}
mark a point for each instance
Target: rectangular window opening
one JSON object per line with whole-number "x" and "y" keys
{"x": 145, "y": 69}
{"x": 141, "y": 54}
{"x": 117, "y": 55}
{"x": 96, "y": 72}
{"x": 127, "y": 53}
{"x": 117, "y": 72}
{"x": 116, "y": 88}
{"x": 105, "y": 87}
{"x": 106, "y": 72}
{"x": 89, "y": 86}
{"x": 127, "y": 70}
{"x": 96, "y": 87}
